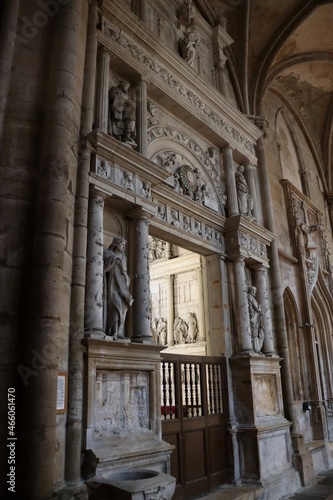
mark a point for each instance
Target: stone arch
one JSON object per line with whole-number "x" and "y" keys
{"x": 164, "y": 141}
{"x": 322, "y": 307}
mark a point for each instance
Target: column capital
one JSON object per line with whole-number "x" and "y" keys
{"x": 142, "y": 80}
{"x": 227, "y": 148}
{"x": 140, "y": 213}
{"x": 94, "y": 192}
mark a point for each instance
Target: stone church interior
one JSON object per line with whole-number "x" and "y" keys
{"x": 166, "y": 247}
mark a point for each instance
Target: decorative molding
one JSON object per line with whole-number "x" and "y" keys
{"x": 118, "y": 36}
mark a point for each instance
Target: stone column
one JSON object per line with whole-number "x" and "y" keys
{"x": 141, "y": 305}
{"x": 102, "y": 90}
{"x": 201, "y": 311}
{"x": 230, "y": 181}
{"x": 141, "y": 116}
{"x": 171, "y": 308}
{"x": 50, "y": 265}
{"x": 249, "y": 169}
{"x": 243, "y": 318}
{"x": 75, "y": 362}
{"x": 263, "y": 299}
{"x": 94, "y": 281}
{"x": 277, "y": 299}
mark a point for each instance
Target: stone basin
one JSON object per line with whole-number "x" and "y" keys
{"x": 136, "y": 484}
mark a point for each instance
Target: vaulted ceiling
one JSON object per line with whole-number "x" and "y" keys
{"x": 283, "y": 46}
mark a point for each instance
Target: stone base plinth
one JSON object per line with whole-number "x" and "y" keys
{"x": 123, "y": 426}
{"x": 263, "y": 434}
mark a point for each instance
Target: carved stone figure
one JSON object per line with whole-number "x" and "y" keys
{"x": 257, "y": 330}
{"x": 175, "y": 218}
{"x": 161, "y": 211}
{"x": 190, "y": 45}
{"x": 145, "y": 189}
{"x": 122, "y": 114}
{"x": 156, "y": 249}
{"x": 180, "y": 331}
{"x": 186, "y": 223}
{"x": 116, "y": 288}
{"x": 245, "y": 200}
{"x": 162, "y": 331}
{"x": 127, "y": 180}
{"x": 186, "y": 14}
{"x": 167, "y": 161}
{"x": 192, "y": 332}
{"x": 152, "y": 115}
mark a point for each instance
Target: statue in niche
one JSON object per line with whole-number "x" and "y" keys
{"x": 122, "y": 114}
{"x": 161, "y": 212}
{"x": 145, "y": 189}
{"x": 190, "y": 45}
{"x": 127, "y": 180}
{"x": 104, "y": 168}
{"x": 186, "y": 223}
{"x": 152, "y": 115}
{"x": 192, "y": 331}
{"x": 245, "y": 200}
{"x": 176, "y": 183}
{"x": 257, "y": 330}
{"x": 197, "y": 228}
{"x": 174, "y": 218}
{"x": 162, "y": 331}
{"x": 116, "y": 288}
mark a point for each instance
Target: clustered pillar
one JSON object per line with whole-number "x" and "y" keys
{"x": 263, "y": 299}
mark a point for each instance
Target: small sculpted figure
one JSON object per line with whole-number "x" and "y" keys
{"x": 122, "y": 114}
{"x": 245, "y": 200}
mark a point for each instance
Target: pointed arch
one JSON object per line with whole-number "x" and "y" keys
{"x": 294, "y": 343}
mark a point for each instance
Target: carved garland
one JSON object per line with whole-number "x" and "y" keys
{"x": 124, "y": 41}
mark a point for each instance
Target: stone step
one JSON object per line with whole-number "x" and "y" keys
{"x": 247, "y": 492}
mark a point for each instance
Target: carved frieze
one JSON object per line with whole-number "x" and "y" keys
{"x": 142, "y": 56}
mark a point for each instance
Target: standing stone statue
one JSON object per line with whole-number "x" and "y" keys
{"x": 245, "y": 200}
{"x": 190, "y": 44}
{"x": 122, "y": 114}
{"x": 117, "y": 298}
{"x": 257, "y": 330}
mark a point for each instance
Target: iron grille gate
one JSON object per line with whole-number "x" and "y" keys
{"x": 194, "y": 413}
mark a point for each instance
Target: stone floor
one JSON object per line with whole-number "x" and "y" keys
{"x": 321, "y": 489}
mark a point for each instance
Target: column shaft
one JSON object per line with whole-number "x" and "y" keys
{"x": 243, "y": 319}
{"x": 171, "y": 309}
{"x": 75, "y": 362}
{"x": 249, "y": 168}
{"x": 263, "y": 299}
{"x": 201, "y": 312}
{"x": 141, "y": 305}
{"x": 49, "y": 309}
{"x": 230, "y": 181}
{"x": 141, "y": 122}
{"x": 102, "y": 91}
{"x": 277, "y": 299}
{"x": 94, "y": 281}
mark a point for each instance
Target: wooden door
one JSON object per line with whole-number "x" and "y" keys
{"x": 194, "y": 412}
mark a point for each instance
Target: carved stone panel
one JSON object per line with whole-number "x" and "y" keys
{"x": 122, "y": 402}
{"x": 265, "y": 393}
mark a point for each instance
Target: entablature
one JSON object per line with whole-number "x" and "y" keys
{"x": 173, "y": 83}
